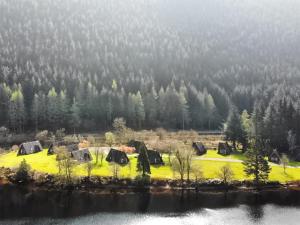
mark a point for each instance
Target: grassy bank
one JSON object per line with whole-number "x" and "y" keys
{"x": 210, "y": 164}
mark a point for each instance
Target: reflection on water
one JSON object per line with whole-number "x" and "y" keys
{"x": 273, "y": 215}
{"x": 23, "y": 207}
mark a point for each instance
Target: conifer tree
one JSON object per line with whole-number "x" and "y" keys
{"x": 35, "y": 111}
{"x": 5, "y": 94}
{"x": 233, "y": 129}
{"x": 75, "y": 119}
{"x": 143, "y": 164}
{"x": 255, "y": 164}
{"x": 139, "y": 109}
{"x": 17, "y": 111}
{"x": 52, "y": 109}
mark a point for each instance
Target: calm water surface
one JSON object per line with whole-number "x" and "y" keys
{"x": 24, "y": 207}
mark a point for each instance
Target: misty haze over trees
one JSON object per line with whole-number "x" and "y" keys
{"x": 157, "y": 63}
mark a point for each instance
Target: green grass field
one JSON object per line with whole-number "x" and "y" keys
{"x": 42, "y": 163}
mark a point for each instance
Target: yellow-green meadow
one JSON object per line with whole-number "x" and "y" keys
{"x": 210, "y": 164}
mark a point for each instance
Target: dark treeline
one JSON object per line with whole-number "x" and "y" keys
{"x": 173, "y": 64}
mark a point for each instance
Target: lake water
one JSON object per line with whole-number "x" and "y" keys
{"x": 23, "y": 207}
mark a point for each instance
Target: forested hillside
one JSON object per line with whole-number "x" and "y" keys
{"x": 157, "y": 63}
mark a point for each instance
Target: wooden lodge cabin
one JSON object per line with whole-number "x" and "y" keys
{"x": 199, "y": 148}
{"x": 30, "y": 148}
{"x": 82, "y": 155}
{"x": 224, "y": 149}
{"x": 155, "y": 158}
{"x": 117, "y": 156}
{"x": 274, "y": 157}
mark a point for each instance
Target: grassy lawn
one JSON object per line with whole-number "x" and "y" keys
{"x": 43, "y": 163}
{"x": 214, "y": 154}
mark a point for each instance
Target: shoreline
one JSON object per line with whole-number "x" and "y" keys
{"x": 152, "y": 189}
{"x": 44, "y": 181}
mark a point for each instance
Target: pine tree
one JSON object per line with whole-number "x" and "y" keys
{"x": 184, "y": 110}
{"x": 35, "y": 111}
{"x": 246, "y": 126}
{"x": 5, "y": 94}
{"x": 257, "y": 122}
{"x": 143, "y": 164}
{"x": 139, "y": 109}
{"x": 255, "y": 164}
{"x": 17, "y": 111}
{"x": 53, "y": 109}
{"x": 75, "y": 119}
{"x": 209, "y": 107}
{"x": 151, "y": 108}
{"x": 233, "y": 128}
{"x": 131, "y": 116}
{"x": 62, "y": 109}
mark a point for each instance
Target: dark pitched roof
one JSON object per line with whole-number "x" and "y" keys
{"x": 117, "y": 156}
{"x": 30, "y": 148}
{"x": 155, "y": 158}
{"x": 274, "y": 156}
{"x": 82, "y": 155}
{"x": 199, "y": 147}
{"x": 224, "y": 148}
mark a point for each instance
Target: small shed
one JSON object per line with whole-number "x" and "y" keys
{"x": 30, "y": 148}
{"x": 155, "y": 158}
{"x": 82, "y": 155}
{"x": 117, "y": 156}
{"x": 274, "y": 157}
{"x": 224, "y": 148}
{"x": 199, "y": 148}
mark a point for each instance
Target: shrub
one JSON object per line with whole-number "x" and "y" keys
{"x": 60, "y": 133}
{"x": 161, "y": 133}
{"x": 110, "y": 138}
{"x": 22, "y": 174}
{"x": 71, "y": 139}
{"x": 42, "y": 136}
{"x": 91, "y": 139}
{"x": 15, "y": 148}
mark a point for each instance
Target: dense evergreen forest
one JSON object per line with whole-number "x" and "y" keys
{"x": 158, "y": 63}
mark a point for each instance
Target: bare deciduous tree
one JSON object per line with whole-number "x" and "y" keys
{"x": 65, "y": 163}
{"x": 196, "y": 170}
{"x": 225, "y": 174}
{"x": 189, "y": 155}
{"x": 284, "y": 161}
